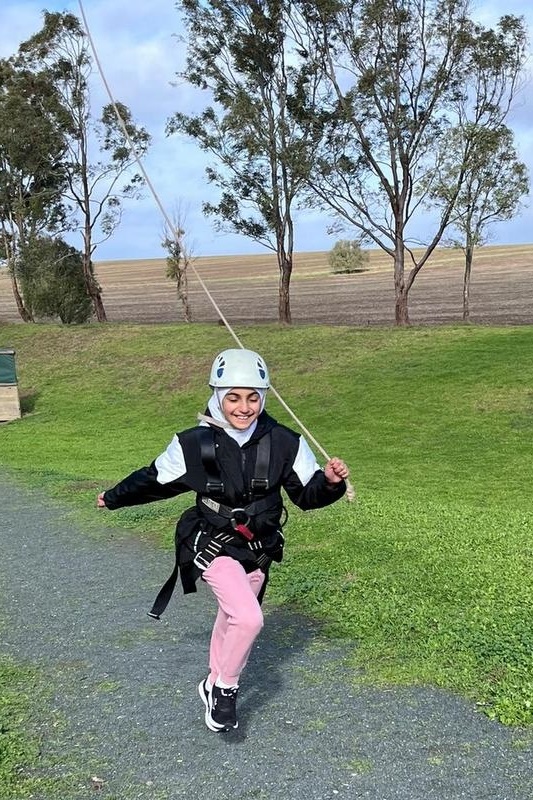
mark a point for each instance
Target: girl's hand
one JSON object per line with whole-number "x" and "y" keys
{"x": 336, "y": 470}
{"x": 100, "y": 503}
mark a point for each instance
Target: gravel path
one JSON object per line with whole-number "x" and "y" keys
{"x": 125, "y": 707}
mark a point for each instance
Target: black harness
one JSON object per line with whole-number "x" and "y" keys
{"x": 232, "y": 524}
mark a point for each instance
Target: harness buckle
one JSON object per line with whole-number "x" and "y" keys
{"x": 201, "y": 561}
{"x": 215, "y": 487}
{"x": 260, "y": 484}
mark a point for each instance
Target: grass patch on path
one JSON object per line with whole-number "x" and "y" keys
{"x": 431, "y": 572}
{"x": 23, "y": 774}
{"x": 17, "y": 750}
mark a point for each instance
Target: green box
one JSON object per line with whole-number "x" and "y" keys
{"x": 8, "y": 373}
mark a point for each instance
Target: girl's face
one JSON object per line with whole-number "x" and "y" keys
{"x": 241, "y": 407}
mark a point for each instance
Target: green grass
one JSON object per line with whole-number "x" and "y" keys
{"x": 23, "y": 773}
{"x": 430, "y": 572}
{"x": 17, "y": 749}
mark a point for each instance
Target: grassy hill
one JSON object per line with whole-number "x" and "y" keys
{"x": 430, "y": 572}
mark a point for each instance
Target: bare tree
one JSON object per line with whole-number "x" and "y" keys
{"x": 179, "y": 258}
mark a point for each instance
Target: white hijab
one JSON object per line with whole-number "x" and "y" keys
{"x": 215, "y": 409}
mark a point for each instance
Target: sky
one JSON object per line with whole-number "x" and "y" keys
{"x": 140, "y": 52}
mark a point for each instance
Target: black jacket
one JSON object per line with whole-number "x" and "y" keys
{"x": 292, "y": 467}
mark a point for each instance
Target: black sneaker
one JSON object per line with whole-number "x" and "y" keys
{"x": 221, "y": 713}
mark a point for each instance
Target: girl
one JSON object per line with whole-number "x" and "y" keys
{"x": 236, "y": 461}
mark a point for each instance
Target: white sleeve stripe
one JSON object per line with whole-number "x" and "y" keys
{"x": 305, "y": 464}
{"x": 171, "y": 464}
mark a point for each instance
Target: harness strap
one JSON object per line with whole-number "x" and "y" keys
{"x": 251, "y": 510}
{"x": 165, "y": 593}
{"x": 262, "y": 464}
{"x": 208, "y": 455}
{"x": 215, "y": 485}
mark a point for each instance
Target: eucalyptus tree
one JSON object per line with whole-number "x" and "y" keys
{"x": 481, "y": 146}
{"x": 99, "y": 162}
{"x": 32, "y": 179}
{"x": 244, "y": 55}
{"x": 494, "y": 183}
{"x": 397, "y": 76}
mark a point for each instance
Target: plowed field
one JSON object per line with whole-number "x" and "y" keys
{"x": 245, "y": 288}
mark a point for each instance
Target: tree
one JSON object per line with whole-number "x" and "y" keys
{"x": 178, "y": 260}
{"x": 31, "y": 175}
{"x": 482, "y": 146}
{"x": 347, "y": 256}
{"x": 243, "y": 54}
{"x": 94, "y": 180}
{"x": 495, "y": 181}
{"x": 51, "y": 276}
{"x": 397, "y": 76}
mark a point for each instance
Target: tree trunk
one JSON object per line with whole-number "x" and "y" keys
{"x": 469, "y": 254}
{"x": 401, "y": 308}
{"x": 98, "y": 306}
{"x": 92, "y": 286}
{"x": 182, "y": 287}
{"x": 8, "y": 241}
{"x": 284, "y": 305}
{"x": 285, "y": 251}
{"x": 93, "y": 289}
{"x": 25, "y": 315}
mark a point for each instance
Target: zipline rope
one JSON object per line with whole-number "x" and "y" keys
{"x": 350, "y": 491}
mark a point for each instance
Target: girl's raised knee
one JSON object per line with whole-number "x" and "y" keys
{"x": 251, "y": 621}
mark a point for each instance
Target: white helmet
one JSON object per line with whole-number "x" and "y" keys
{"x": 239, "y": 369}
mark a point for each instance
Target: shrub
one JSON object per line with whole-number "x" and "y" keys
{"x": 51, "y": 278}
{"x": 346, "y": 256}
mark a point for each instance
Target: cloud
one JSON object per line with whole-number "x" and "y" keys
{"x": 140, "y": 50}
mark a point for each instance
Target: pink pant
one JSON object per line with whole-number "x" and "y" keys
{"x": 239, "y": 618}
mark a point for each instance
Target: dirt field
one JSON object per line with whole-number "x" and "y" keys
{"x": 245, "y": 287}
